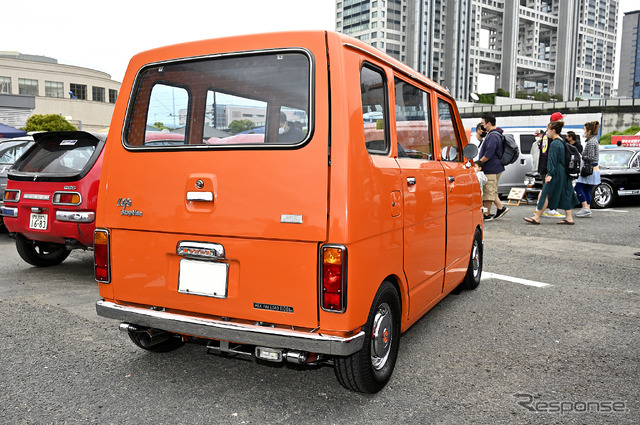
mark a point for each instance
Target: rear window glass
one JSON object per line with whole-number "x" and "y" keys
{"x": 255, "y": 100}
{"x": 60, "y": 156}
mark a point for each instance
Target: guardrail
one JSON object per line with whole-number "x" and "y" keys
{"x": 601, "y": 105}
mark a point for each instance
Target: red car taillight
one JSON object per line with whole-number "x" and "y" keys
{"x": 334, "y": 278}
{"x": 101, "y": 255}
{"x": 66, "y": 198}
{"x": 11, "y": 195}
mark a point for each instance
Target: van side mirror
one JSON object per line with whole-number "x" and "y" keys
{"x": 470, "y": 151}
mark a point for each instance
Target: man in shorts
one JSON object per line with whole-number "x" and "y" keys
{"x": 490, "y": 154}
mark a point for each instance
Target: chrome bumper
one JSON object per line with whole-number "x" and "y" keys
{"x": 235, "y": 332}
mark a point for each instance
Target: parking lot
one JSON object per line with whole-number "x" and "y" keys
{"x": 550, "y": 336}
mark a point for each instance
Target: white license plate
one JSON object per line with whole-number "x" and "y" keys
{"x": 38, "y": 221}
{"x": 203, "y": 278}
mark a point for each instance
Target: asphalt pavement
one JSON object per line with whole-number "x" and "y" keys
{"x": 551, "y": 335}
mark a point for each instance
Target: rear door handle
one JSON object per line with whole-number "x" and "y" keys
{"x": 200, "y": 196}
{"x": 411, "y": 181}
{"x": 451, "y": 179}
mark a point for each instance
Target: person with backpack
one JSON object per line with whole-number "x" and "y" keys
{"x": 490, "y": 155}
{"x": 558, "y": 190}
{"x": 590, "y": 174}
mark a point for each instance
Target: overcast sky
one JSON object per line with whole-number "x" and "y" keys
{"x": 105, "y": 35}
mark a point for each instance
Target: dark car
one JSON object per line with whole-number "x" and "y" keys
{"x": 10, "y": 151}
{"x": 619, "y": 176}
{"x": 51, "y": 196}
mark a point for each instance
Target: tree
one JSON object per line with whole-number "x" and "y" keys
{"x": 48, "y": 122}
{"x": 502, "y": 93}
{"x": 237, "y": 126}
{"x": 160, "y": 126}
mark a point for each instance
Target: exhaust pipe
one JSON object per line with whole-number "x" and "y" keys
{"x": 147, "y": 337}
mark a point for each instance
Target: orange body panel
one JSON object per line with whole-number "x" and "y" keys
{"x": 416, "y": 235}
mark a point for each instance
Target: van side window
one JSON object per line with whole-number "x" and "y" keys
{"x": 526, "y": 141}
{"x": 413, "y": 122}
{"x": 373, "y": 89}
{"x": 448, "y": 136}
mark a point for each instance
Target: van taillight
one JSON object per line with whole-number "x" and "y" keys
{"x": 11, "y": 195}
{"x": 66, "y": 198}
{"x": 334, "y": 278}
{"x": 101, "y": 255}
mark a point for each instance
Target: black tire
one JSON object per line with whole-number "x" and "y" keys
{"x": 172, "y": 343}
{"x": 369, "y": 370}
{"x": 603, "y": 195}
{"x": 474, "y": 271}
{"x": 41, "y": 254}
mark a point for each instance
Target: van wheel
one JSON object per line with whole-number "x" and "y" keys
{"x": 41, "y": 254}
{"x": 369, "y": 370}
{"x": 474, "y": 271}
{"x": 172, "y": 343}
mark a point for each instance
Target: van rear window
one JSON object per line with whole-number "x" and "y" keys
{"x": 254, "y": 100}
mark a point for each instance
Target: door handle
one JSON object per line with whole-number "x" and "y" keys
{"x": 411, "y": 181}
{"x": 451, "y": 179}
{"x": 200, "y": 196}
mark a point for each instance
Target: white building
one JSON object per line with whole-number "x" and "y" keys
{"x": 40, "y": 85}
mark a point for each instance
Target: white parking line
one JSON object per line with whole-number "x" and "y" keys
{"x": 487, "y": 275}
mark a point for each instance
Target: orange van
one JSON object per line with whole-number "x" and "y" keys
{"x": 316, "y": 204}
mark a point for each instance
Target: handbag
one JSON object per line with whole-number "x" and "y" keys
{"x": 587, "y": 169}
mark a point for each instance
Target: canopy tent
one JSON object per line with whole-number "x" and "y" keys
{"x": 7, "y": 132}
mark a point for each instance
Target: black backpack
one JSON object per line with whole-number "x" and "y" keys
{"x": 510, "y": 150}
{"x": 571, "y": 160}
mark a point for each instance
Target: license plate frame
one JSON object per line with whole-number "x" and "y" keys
{"x": 36, "y": 221}
{"x": 204, "y": 278}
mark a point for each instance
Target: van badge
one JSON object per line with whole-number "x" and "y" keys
{"x": 273, "y": 307}
{"x": 291, "y": 218}
{"x": 125, "y": 203}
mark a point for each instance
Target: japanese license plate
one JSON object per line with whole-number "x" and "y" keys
{"x": 38, "y": 221}
{"x": 203, "y": 278}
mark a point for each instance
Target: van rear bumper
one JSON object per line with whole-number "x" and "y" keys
{"x": 235, "y": 332}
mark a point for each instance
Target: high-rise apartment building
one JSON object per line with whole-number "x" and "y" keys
{"x": 629, "y": 73}
{"x": 558, "y": 47}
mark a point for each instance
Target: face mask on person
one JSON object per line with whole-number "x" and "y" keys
{"x": 281, "y": 130}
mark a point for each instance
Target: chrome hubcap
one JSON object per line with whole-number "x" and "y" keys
{"x": 475, "y": 259}
{"x": 382, "y": 336}
{"x": 602, "y": 195}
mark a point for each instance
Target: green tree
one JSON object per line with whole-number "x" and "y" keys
{"x": 48, "y": 122}
{"x": 160, "y": 126}
{"x": 502, "y": 93}
{"x": 488, "y": 98}
{"x": 237, "y": 126}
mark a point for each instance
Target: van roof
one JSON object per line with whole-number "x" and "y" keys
{"x": 291, "y": 39}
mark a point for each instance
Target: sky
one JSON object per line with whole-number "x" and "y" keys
{"x": 105, "y": 35}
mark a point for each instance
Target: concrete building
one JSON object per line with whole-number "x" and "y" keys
{"x": 629, "y": 73}
{"x": 40, "y": 85}
{"x": 557, "y": 47}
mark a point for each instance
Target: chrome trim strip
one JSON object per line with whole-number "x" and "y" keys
{"x": 76, "y": 216}
{"x": 229, "y": 331}
{"x": 629, "y": 192}
{"x": 36, "y": 196}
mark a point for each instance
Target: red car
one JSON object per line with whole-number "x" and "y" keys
{"x": 51, "y": 195}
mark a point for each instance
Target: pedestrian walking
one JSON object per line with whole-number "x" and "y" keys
{"x": 590, "y": 173}
{"x": 491, "y": 151}
{"x": 558, "y": 190}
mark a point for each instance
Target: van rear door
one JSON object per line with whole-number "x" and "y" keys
{"x": 217, "y": 190}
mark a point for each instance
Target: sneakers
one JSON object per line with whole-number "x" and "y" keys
{"x": 502, "y": 211}
{"x": 489, "y": 217}
{"x": 583, "y": 213}
{"x": 552, "y": 214}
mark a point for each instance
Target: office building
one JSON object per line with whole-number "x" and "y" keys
{"x": 40, "y": 85}
{"x": 564, "y": 48}
{"x": 629, "y": 72}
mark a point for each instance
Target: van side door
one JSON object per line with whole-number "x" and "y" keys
{"x": 424, "y": 198}
{"x": 460, "y": 186}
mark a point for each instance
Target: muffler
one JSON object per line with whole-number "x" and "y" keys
{"x": 146, "y": 337}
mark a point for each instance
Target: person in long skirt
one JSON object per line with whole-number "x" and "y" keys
{"x": 558, "y": 191}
